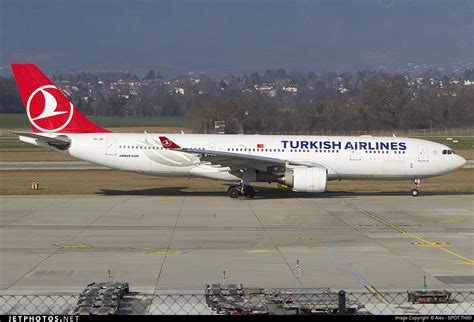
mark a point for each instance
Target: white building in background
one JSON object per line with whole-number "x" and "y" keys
{"x": 342, "y": 89}
{"x": 290, "y": 89}
{"x": 263, "y": 87}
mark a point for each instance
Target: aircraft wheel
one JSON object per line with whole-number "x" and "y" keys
{"x": 233, "y": 192}
{"x": 249, "y": 192}
{"x": 415, "y": 192}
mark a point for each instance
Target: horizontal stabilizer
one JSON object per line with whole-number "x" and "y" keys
{"x": 61, "y": 142}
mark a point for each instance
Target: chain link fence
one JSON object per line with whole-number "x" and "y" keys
{"x": 275, "y": 301}
{"x": 469, "y": 131}
{"x": 398, "y": 132}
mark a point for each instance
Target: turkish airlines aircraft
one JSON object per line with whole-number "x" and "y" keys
{"x": 304, "y": 163}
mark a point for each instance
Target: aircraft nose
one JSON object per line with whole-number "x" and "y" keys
{"x": 460, "y": 162}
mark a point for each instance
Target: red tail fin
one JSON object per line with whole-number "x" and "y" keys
{"x": 48, "y": 109}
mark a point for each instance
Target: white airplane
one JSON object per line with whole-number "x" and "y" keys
{"x": 304, "y": 163}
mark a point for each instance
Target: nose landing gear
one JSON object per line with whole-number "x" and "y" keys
{"x": 414, "y": 188}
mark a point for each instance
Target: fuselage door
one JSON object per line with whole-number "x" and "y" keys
{"x": 110, "y": 148}
{"x": 355, "y": 155}
{"x": 422, "y": 153}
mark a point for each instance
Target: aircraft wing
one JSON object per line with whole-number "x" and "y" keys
{"x": 236, "y": 160}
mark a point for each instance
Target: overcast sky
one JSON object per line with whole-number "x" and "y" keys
{"x": 224, "y": 36}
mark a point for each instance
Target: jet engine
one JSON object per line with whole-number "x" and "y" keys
{"x": 305, "y": 179}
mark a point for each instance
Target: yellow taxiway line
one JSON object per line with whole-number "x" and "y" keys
{"x": 423, "y": 241}
{"x": 377, "y": 294}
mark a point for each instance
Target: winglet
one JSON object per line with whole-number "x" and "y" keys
{"x": 168, "y": 144}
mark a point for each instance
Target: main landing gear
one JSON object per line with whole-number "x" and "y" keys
{"x": 414, "y": 187}
{"x": 242, "y": 190}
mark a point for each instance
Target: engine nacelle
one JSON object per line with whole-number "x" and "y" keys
{"x": 305, "y": 179}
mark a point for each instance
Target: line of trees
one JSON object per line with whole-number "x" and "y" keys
{"x": 382, "y": 104}
{"x": 376, "y": 101}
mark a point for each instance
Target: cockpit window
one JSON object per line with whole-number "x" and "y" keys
{"x": 449, "y": 152}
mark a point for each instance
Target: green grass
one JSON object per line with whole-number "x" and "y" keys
{"x": 12, "y": 121}
{"x": 13, "y": 143}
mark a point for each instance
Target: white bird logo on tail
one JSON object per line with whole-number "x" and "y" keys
{"x": 50, "y": 105}
{"x": 48, "y": 110}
